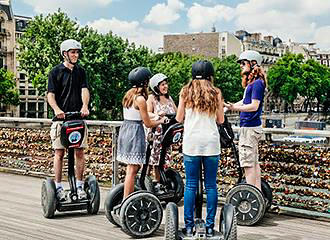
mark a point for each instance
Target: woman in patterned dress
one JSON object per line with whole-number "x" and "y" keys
{"x": 159, "y": 103}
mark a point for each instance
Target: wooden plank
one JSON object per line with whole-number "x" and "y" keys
{"x": 21, "y": 218}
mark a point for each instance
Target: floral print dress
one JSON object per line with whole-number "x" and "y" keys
{"x": 168, "y": 108}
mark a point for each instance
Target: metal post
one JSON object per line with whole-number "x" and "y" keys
{"x": 114, "y": 156}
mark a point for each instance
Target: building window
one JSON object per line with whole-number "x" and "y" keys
{"x": 223, "y": 39}
{"x": 22, "y": 92}
{"x": 223, "y": 50}
{"x": 41, "y": 109}
{"x": 21, "y": 76}
{"x": 32, "y": 109}
{"x": 32, "y": 92}
{"x": 22, "y": 109}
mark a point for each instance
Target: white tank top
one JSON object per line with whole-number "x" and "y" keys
{"x": 132, "y": 114}
{"x": 201, "y": 135}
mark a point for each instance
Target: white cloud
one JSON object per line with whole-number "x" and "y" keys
{"x": 130, "y": 30}
{"x": 204, "y": 17}
{"x": 162, "y": 14}
{"x": 287, "y": 19}
{"x": 322, "y": 36}
{"x": 69, "y": 6}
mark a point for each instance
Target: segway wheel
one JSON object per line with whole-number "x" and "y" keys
{"x": 267, "y": 192}
{"x": 248, "y": 202}
{"x": 171, "y": 222}
{"x": 228, "y": 222}
{"x": 114, "y": 199}
{"x": 93, "y": 194}
{"x": 48, "y": 198}
{"x": 141, "y": 214}
{"x": 176, "y": 184}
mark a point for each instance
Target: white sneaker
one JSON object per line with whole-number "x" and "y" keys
{"x": 81, "y": 193}
{"x": 60, "y": 194}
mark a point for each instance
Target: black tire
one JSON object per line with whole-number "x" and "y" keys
{"x": 266, "y": 191}
{"x": 113, "y": 199}
{"x": 141, "y": 214}
{"x": 228, "y": 222}
{"x": 93, "y": 194}
{"x": 268, "y": 194}
{"x": 171, "y": 222}
{"x": 249, "y": 203}
{"x": 48, "y": 198}
{"x": 177, "y": 184}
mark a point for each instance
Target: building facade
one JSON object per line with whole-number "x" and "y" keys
{"x": 11, "y": 29}
{"x": 222, "y": 44}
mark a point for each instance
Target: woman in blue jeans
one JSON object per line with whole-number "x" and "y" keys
{"x": 200, "y": 107}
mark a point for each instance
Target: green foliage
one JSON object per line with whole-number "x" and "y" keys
{"x": 8, "y": 90}
{"x": 177, "y": 67}
{"x": 285, "y": 75}
{"x": 228, "y": 79}
{"x": 107, "y": 60}
{"x": 40, "y": 46}
{"x": 291, "y": 76}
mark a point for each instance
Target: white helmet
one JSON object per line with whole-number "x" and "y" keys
{"x": 69, "y": 44}
{"x": 155, "y": 80}
{"x": 250, "y": 55}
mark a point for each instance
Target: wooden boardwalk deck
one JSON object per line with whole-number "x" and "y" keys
{"x": 21, "y": 218}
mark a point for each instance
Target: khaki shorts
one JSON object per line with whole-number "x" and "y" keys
{"x": 55, "y": 135}
{"x": 248, "y": 145}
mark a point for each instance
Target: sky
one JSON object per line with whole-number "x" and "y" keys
{"x": 147, "y": 21}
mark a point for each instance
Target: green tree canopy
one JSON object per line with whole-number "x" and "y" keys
{"x": 285, "y": 75}
{"x": 8, "y": 90}
{"x": 292, "y": 76}
{"x": 107, "y": 60}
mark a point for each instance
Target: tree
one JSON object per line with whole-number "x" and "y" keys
{"x": 8, "y": 90}
{"x": 284, "y": 77}
{"x": 315, "y": 83}
{"x": 228, "y": 79}
{"x": 106, "y": 58}
{"x": 40, "y": 46}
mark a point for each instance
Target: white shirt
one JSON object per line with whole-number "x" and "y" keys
{"x": 132, "y": 114}
{"x": 201, "y": 136}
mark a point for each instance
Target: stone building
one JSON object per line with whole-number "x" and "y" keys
{"x": 11, "y": 29}
{"x": 322, "y": 57}
{"x": 222, "y": 44}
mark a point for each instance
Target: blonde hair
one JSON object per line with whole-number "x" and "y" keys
{"x": 130, "y": 95}
{"x": 201, "y": 96}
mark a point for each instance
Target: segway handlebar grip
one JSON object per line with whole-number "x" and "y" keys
{"x": 69, "y": 116}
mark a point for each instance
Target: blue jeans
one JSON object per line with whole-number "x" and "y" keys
{"x": 192, "y": 165}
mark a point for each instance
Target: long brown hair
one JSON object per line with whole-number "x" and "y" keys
{"x": 256, "y": 73}
{"x": 201, "y": 96}
{"x": 130, "y": 95}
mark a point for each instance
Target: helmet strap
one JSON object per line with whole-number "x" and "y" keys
{"x": 67, "y": 58}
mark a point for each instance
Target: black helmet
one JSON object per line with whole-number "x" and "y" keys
{"x": 202, "y": 69}
{"x": 139, "y": 77}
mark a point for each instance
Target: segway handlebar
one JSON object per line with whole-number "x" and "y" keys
{"x": 69, "y": 116}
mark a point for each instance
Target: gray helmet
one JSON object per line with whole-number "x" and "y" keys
{"x": 155, "y": 80}
{"x": 250, "y": 55}
{"x": 68, "y": 44}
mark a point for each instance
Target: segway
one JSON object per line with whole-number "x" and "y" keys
{"x": 140, "y": 214}
{"x": 171, "y": 183}
{"x": 250, "y": 203}
{"x": 72, "y": 135}
{"x": 227, "y": 223}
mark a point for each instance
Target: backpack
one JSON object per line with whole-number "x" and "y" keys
{"x": 226, "y": 134}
